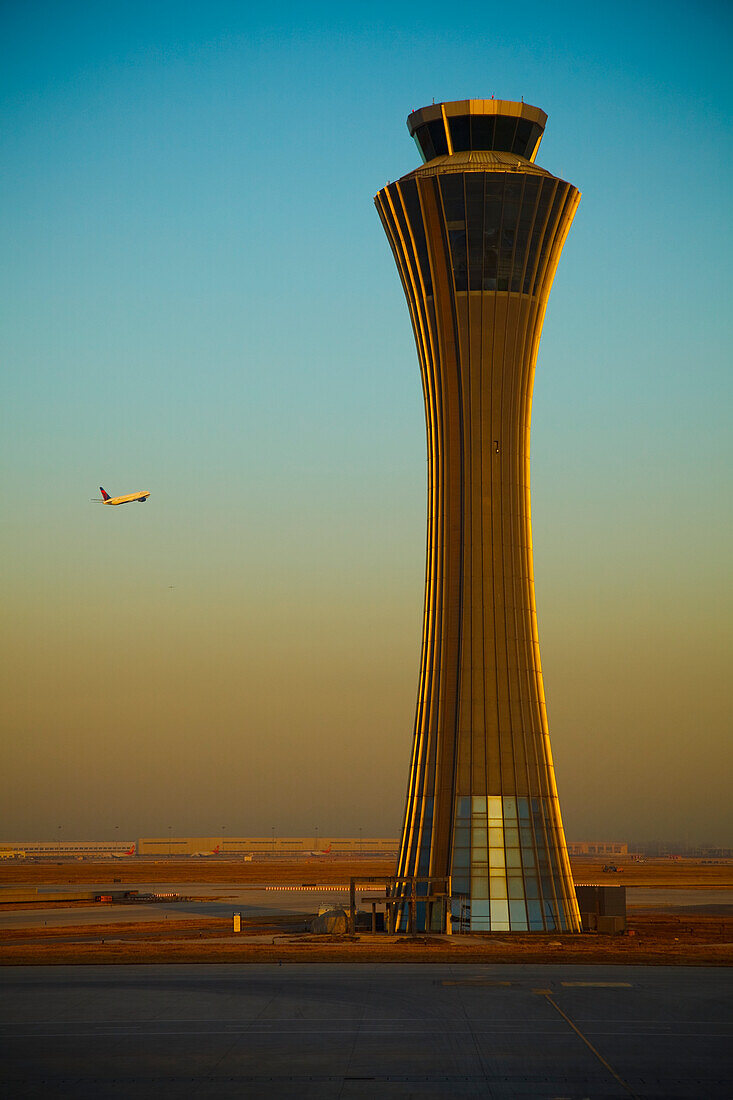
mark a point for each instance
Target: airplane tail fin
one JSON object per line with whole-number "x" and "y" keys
{"x": 105, "y": 496}
{"x": 216, "y": 850}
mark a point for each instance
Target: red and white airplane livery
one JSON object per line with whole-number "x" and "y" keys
{"x": 107, "y": 499}
{"x": 128, "y": 852}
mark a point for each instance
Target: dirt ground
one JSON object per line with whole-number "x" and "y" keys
{"x": 653, "y": 938}
{"x": 659, "y": 873}
{"x": 665, "y": 937}
{"x": 191, "y": 871}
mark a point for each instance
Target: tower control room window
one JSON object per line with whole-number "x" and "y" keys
{"x": 431, "y": 140}
{"x": 454, "y": 206}
{"x": 460, "y": 133}
{"x": 504, "y": 133}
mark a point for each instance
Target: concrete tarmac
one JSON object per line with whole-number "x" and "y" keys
{"x": 256, "y": 901}
{"x": 364, "y": 1030}
{"x": 248, "y": 902}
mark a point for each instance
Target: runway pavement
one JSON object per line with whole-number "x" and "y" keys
{"x": 367, "y": 1030}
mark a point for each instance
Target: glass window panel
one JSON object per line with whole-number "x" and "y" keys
{"x": 460, "y": 859}
{"x": 415, "y": 217}
{"x": 480, "y": 924}
{"x": 493, "y": 192}
{"x": 424, "y": 143}
{"x": 511, "y": 838}
{"x": 531, "y": 887}
{"x": 510, "y": 807}
{"x": 494, "y": 187}
{"x": 496, "y": 837}
{"x": 474, "y": 224}
{"x": 527, "y": 838}
{"x": 482, "y": 131}
{"x": 499, "y": 911}
{"x": 523, "y": 807}
{"x": 524, "y": 224}
{"x": 459, "y": 258}
{"x": 460, "y": 132}
{"x": 479, "y": 886}
{"x": 534, "y": 909}
{"x": 496, "y": 857}
{"x": 521, "y": 137}
{"x": 480, "y": 908}
{"x": 515, "y": 887}
{"x": 495, "y": 809}
{"x": 532, "y": 141}
{"x": 478, "y": 839}
{"x": 479, "y": 804}
{"x": 504, "y": 133}
{"x": 518, "y": 916}
{"x": 437, "y": 133}
{"x": 498, "y": 887}
{"x": 528, "y": 857}
{"x": 491, "y": 267}
{"x": 513, "y": 858}
{"x": 451, "y": 188}
{"x": 459, "y": 884}
{"x": 420, "y": 149}
{"x": 492, "y": 210}
{"x": 463, "y": 808}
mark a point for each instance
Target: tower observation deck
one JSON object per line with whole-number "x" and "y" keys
{"x": 476, "y": 234}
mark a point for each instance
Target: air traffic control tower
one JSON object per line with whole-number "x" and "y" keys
{"x": 477, "y": 233}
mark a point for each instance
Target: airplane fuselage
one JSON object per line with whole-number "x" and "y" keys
{"x": 141, "y": 497}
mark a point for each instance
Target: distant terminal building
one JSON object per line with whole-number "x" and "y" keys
{"x": 598, "y": 848}
{"x": 281, "y": 846}
{"x": 66, "y": 849}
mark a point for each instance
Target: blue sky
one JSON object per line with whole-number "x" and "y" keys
{"x": 198, "y": 299}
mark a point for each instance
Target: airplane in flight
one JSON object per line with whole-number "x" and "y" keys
{"x": 107, "y": 499}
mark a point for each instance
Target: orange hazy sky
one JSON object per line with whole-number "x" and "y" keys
{"x": 199, "y": 301}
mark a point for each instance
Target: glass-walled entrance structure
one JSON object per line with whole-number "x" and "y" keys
{"x": 477, "y": 233}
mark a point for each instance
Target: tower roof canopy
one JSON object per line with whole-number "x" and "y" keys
{"x": 467, "y": 125}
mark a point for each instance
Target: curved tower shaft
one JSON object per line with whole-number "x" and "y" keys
{"x": 476, "y": 234}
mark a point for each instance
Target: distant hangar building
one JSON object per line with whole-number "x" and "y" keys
{"x": 66, "y": 849}
{"x": 283, "y": 846}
